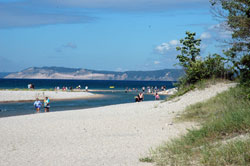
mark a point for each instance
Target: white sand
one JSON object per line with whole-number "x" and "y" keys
{"x": 11, "y": 96}
{"x": 115, "y": 135}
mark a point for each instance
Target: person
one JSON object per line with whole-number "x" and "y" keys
{"x": 86, "y": 88}
{"x": 46, "y": 104}
{"x": 37, "y": 105}
{"x": 137, "y": 98}
{"x": 143, "y": 89}
{"x": 141, "y": 97}
{"x": 149, "y": 90}
{"x": 157, "y": 97}
{"x": 156, "y": 89}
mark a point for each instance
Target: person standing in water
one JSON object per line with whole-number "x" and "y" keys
{"x": 141, "y": 97}
{"x": 157, "y": 97}
{"x": 46, "y": 104}
{"x": 38, "y": 105}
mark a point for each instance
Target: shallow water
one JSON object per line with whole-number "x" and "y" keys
{"x": 110, "y": 98}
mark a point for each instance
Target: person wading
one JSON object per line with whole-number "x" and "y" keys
{"x": 38, "y": 105}
{"x": 46, "y": 104}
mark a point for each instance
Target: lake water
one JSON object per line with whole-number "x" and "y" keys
{"x": 115, "y": 97}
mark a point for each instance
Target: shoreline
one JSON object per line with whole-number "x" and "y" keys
{"x": 61, "y": 99}
{"x": 18, "y": 96}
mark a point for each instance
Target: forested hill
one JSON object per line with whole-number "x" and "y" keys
{"x": 78, "y": 73}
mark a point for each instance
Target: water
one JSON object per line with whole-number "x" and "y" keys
{"x": 115, "y": 97}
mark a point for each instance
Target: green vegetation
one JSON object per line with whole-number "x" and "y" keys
{"x": 230, "y": 153}
{"x": 223, "y": 117}
{"x": 196, "y": 68}
{"x": 146, "y": 159}
{"x": 223, "y": 137}
{"x": 236, "y": 15}
{"x": 199, "y": 72}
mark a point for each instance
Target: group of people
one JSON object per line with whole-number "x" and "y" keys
{"x": 65, "y": 88}
{"x": 38, "y": 105}
{"x": 153, "y": 89}
{"x": 148, "y": 89}
{"x": 140, "y": 97}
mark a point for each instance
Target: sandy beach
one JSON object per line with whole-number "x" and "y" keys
{"x": 116, "y": 135}
{"x": 31, "y": 95}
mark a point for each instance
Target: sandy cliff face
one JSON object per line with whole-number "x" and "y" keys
{"x": 69, "y": 73}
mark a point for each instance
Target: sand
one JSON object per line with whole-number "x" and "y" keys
{"x": 116, "y": 135}
{"x": 31, "y": 95}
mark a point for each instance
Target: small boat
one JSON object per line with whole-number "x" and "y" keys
{"x": 112, "y": 87}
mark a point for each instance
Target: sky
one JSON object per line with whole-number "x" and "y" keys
{"x": 115, "y": 35}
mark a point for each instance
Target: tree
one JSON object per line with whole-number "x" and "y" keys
{"x": 195, "y": 68}
{"x": 188, "y": 59}
{"x": 236, "y": 14}
{"x": 189, "y": 51}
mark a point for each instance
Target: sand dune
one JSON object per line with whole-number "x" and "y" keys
{"x": 115, "y": 135}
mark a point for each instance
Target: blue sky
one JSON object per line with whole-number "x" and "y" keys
{"x": 101, "y": 34}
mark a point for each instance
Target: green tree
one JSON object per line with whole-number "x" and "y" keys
{"x": 196, "y": 68}
{"x": 189, "y": 51}
{"x": 188, "y": 59}
{"x": 236, "y": 14}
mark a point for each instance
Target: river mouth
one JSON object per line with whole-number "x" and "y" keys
{"x": 109, "y": 98}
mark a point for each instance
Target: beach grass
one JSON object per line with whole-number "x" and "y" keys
{"x": 231, "y": 153}
{"x": 146, "y": 159}
{"x": 222, "y": 118}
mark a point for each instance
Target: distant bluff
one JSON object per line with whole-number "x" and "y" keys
{"x": 86, "y": 74}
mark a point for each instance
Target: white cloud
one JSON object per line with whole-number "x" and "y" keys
{"x": 163, "y": 48}
{"x": 174, "y": 42}
{"x": 167, "y": 47}
{"x": 205, "y": 35}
